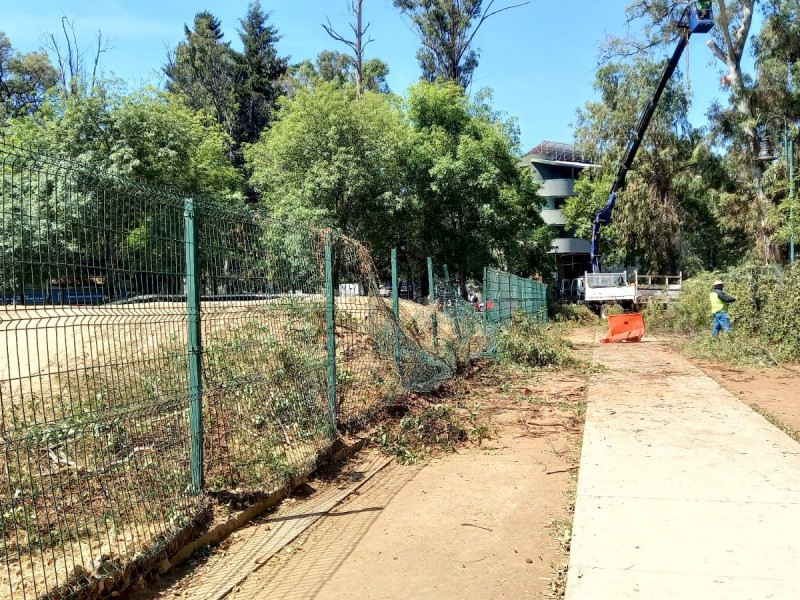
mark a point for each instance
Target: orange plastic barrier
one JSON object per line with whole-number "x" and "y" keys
{"x": 625, "y": 328}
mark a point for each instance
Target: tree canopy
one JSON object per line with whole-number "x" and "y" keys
{"x": 436, "y": 176}
{"x": 447, "y": 29}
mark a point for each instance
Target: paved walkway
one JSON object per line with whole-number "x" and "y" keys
{"x": 684, "y": 492}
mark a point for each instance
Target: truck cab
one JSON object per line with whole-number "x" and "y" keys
{"x": 578, "y": 289}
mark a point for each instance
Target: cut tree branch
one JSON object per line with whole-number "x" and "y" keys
{"x": 487, "y": 14}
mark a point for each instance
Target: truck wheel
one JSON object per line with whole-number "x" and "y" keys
{"x": 610, "y": 309}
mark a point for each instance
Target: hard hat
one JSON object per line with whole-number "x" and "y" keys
{"x": 719, "y": 282}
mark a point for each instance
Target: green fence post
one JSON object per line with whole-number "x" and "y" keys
{"x": 485, "y": 307}
{"x": 396, "y": 309}
{"x": 431, "y": 288}
{"x": 330, "y": 327}
{"x": 456, "y": 324}
{"x": 395, "y": 295}
{"x": 544, "y": 304}
{"x": 195, "y": 347}
{"x": 432, "y": 301}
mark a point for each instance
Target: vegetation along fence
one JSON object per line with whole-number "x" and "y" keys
{"x": 157, "y": 350}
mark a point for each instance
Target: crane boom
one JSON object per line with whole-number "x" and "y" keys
{"x": 696, "y": 18}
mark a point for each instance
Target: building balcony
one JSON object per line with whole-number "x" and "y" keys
{"x": 558, "y": 188}
{"x": 570, "y": 246}
{"x": 553, "y": 217}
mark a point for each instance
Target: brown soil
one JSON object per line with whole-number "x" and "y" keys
{"x": 487, "y": 521}
{"x": 775, "y": 392}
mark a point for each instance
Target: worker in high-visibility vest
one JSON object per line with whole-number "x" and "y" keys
{"x": 719, "y": 308}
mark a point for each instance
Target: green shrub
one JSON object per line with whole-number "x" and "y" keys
{"x": 575, "y": 313}
{"x": 737, "y": 348}
{"x": 765, "y": 317}
{"x": 528, "y": 342}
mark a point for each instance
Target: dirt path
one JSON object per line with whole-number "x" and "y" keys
{"x": 480, "y": 523}
{"x": 773, "y": 391}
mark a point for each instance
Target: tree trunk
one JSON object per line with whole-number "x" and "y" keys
{"x": 734, "y": 45}
{"x": 359, "y": 49}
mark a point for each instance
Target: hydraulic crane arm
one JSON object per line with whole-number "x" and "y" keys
{"x": 697, "y": 18}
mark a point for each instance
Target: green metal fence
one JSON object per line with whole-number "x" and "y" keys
{"x": 505, "y": 293}
{"x": 158, "y": 350}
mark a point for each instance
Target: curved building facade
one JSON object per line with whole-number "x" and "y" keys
{"x": 556, "y": 166}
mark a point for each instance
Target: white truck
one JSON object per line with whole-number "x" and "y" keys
{"x": 600, "y": 291}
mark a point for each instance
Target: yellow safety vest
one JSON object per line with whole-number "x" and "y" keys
{"x": 717, "y": 304}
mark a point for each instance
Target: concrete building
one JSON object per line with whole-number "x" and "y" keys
{"x": 557, "y": 166}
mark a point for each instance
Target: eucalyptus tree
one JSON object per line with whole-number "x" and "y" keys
{"x": 447, "y": 30}
{"x": 777, "y": 96}
{"x": 735, "y": 125}
{"x": 663, "y": 218}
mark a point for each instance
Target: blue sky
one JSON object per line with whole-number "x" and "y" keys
{"x": 539, "y": 59}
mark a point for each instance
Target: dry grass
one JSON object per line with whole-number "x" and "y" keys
{"x": 96, "y": 463}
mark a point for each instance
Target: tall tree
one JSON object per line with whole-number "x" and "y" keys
{"x": 76, "y": 74}
{"x": 24, "y": 79}
{"x": 205, "y": 71}
{"x": 262, "y": 70}
{"x": 468, "y": 203}
{"x": 447, "y": 29}
{"x": 735, "y": 125}
{"x": 664, "y": 219}
{"x": 358, "y": 44}
{"x": 777, "y": 97}
{"x": 333, "y": 160}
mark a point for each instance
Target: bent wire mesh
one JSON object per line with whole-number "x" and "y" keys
{"x": 160, "y": 351}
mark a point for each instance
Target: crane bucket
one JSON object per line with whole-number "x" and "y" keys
{"x": 625, "y": 328}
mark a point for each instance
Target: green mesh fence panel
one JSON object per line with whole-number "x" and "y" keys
{"x": 504, "y": 293}
{"x": 93, "y": 392}
{"x": 96, "y": 377}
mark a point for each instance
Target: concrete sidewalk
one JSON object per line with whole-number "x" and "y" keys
{"x": 684, "y": 492}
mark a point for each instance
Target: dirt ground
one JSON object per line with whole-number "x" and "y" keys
{"x": 488, "y": 521}
{"x": 772, "y": 391}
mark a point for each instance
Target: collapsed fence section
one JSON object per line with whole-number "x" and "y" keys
{"x": 157, "y": 350}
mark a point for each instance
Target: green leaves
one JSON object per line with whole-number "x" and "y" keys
{"x": 238, "y": 89}
{"x": 663, "y": 219}
{"x": 333, "y": 160}
{"x": 24, "y": 80}
{"x": 446, "y": 29}
{"x": 436, "y": 176}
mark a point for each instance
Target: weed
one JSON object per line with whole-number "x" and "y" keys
{"x": 737, "y": 348}
{"x": 438, "y": 427}
{"x": 765, "y": 317}
{"x": 579, "y": 314}
{"x": 533, "y": 344}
